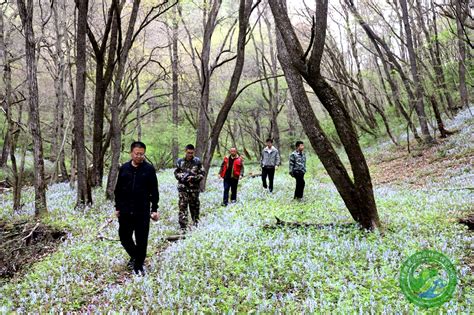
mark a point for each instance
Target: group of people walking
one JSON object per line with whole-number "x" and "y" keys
{"x": 137, "y": 196}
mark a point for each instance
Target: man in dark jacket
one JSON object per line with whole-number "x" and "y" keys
{"x": 189, "y": 173}
{"x": 297, "y": 169}
{"x": 135, "y": 193}
{"x": 232, "y": 169}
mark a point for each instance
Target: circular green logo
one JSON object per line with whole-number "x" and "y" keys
{"x": 428, "y": 278}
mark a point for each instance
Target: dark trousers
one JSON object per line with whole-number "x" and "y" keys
{"x": 270, "y": 172}
{"x": 191, "y": 199}
{"x": 140, "y": 224}
{"x": 230, "y": 183}
{"x": 299, "y": 176}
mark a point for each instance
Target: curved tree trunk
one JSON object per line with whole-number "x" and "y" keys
{"x": 358, "y": 194}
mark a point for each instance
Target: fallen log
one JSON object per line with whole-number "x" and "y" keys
{"x": 175, "y": 238}
{"x": 281, "y": 223}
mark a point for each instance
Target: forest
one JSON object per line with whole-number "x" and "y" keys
{"x": 378, "y": 92}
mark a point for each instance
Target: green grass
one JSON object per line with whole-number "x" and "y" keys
{"x": 231, "y": 262}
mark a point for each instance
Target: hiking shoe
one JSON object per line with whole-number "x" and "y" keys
{"x": 139, "y": 270}
{"x": 131, "y": 263}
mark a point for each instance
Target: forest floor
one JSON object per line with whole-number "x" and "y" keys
{"x": 233, "y": 262}
{"x": 23, "y": 243}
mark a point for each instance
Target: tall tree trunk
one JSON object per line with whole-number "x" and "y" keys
{"x": 84, "y": 195}
{"x": 139, "y": 118}
{"x": 420, "y": 104}
{"x": 460, "y": 19}
{"x": 358, "y": 195}
{"x": 245, "y": 9}
{"x": 438, "y": 64}
{"x": 60, "y": 28}
{"x": 209, "y": 20}
{"x": 26, "y": 13}
{"x": 268, "y": 85}
{"x": 291, "y": 116}
{"x": 72, "y": 96}
{"x": 103, "y": 77}
{"x": 17, "y": 173}
{"x": 175, "y": 95}
{"x": 116, "y": 129}
{"x": 7, "y": 81}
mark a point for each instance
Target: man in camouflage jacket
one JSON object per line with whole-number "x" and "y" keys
{"x": 189, "y": 173}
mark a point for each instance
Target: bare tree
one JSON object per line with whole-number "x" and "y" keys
{"x": 245, "y": 10}
{"x": 434, "y": 52}
{"x": 419, "y": 104}
{"x": 25, "y": 10}
{"x": 381, "y": 45}
{"x": 116, "y": 142}
{"x": 119, "y": 94}
{"x": 461, "y": 16}
{"x": 272, "y": 86}
{"x": 103, "y": 76}
{"x": 7, "y": 81}
{"x": 84, "y": 195}
{"x": 15, "y": 130}
{"x": 59, "y": 85}
{"x": 210, "y": 22}
{"x": 14, "y": 127}
{"x": 175, "y": 80}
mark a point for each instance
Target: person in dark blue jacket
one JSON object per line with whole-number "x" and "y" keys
{"x": 136, "y": 201}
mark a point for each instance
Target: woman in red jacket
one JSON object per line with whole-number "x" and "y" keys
{"x": 232, "y": 169}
